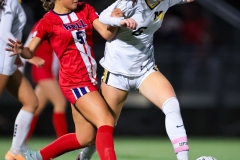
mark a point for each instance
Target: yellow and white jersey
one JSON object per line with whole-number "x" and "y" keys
{"x": 12, "y": 22}
{"x": 131, "y": 52}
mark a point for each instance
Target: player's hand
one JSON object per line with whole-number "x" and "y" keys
{"x": 116, "y": 12}
{"x": 15, "y": 46}
{"x": 129, "y": 23}
{"x": 18, "y": 62}
{"x": 37, "y": 61}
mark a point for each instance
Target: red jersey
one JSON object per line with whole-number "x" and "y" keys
{"x": 70, "y": 36}
{"x": 50, "y": 67}
{"x": 44, "y": 51}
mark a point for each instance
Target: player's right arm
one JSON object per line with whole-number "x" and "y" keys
{"x": 18, "y": 48}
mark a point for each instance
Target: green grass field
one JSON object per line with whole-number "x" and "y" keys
{"x": 149, "y": 148}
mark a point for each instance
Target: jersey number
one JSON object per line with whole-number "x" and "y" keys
{"x": 80, "y": 36}
{"x": 139, "y": 31}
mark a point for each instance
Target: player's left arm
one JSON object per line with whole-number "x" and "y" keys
{"x": 107, "y": 32}
{"x": 37, "y": 61}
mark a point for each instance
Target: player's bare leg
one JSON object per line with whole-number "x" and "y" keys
{"x": 93, "y": 107}
{"x": 89, "y": 124}
{"x": 85, "y": 131}
{"x": 48, "y": 89}
{"x": 69, "y": 141}
{"x": 115, "y": 99}
{"x": 4, "y": 80}
{"x": 159, "y": 91}
{"x": 51, "y": 90}
{"x": 42, "y": 99}
{"x": 21, "y": 89}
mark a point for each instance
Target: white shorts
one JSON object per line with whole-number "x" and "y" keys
{"x": 7, "y": 66}
{"x": 125, "y": 82}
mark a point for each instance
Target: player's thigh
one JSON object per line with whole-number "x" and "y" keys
{"x": 156, "y": 88}
{"x": 85, "y": 131}
{"x": 3, "y": 80}
{"x": 53, "y": 92}
{"x": 93, "y": 107}
{"x": 115, "y": 99}
{"x": 21, "y": 89}
{"x": 42, "y": 99}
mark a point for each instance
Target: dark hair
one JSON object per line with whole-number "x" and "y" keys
{"x": 48, "y": 4}
{"x": 2, "y": 3}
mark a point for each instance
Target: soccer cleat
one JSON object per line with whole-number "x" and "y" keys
{"x": 31, "y": 155}
{"x": 11, "y": 156}
{"x": 80, "y": 157}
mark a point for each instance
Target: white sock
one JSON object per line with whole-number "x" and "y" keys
{"x": 21, "y": 128}
{"x": 175, "y": 128}
{"x": 87, "y": 152}
{"x": 183, "y": 155}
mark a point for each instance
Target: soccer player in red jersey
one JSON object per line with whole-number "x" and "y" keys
{"x": 68, "y": 27}
{"x": 47, "y": 87}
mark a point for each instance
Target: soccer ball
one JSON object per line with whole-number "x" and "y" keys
{"x": 206, "y": 158}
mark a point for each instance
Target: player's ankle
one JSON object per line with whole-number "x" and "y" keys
{"x": 183, "y": 155}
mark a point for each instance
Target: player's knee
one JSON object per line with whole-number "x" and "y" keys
{"x": 106, "y": 120}
{"x": 85, "y": 141}
{"x": 60, "y": 108}
{"x": 61, "y": 102}
{"x": 31, "y": 105}
{"x": 171, "y": 105}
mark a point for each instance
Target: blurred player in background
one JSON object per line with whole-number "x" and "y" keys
{"x": 68, "y": 26}
{"x": 47, "y": 87}
{"x": 12, "y": 21}
{"x": 129, "y": 63}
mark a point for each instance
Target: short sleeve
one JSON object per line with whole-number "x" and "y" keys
{"x": 127, "y": 7}
{"x": 42, "y": 29}
{"x": 30, "y": 36}
{"x": 92, "y": 14}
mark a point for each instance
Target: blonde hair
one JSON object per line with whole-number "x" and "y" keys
{"x": 48, "y": 4}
